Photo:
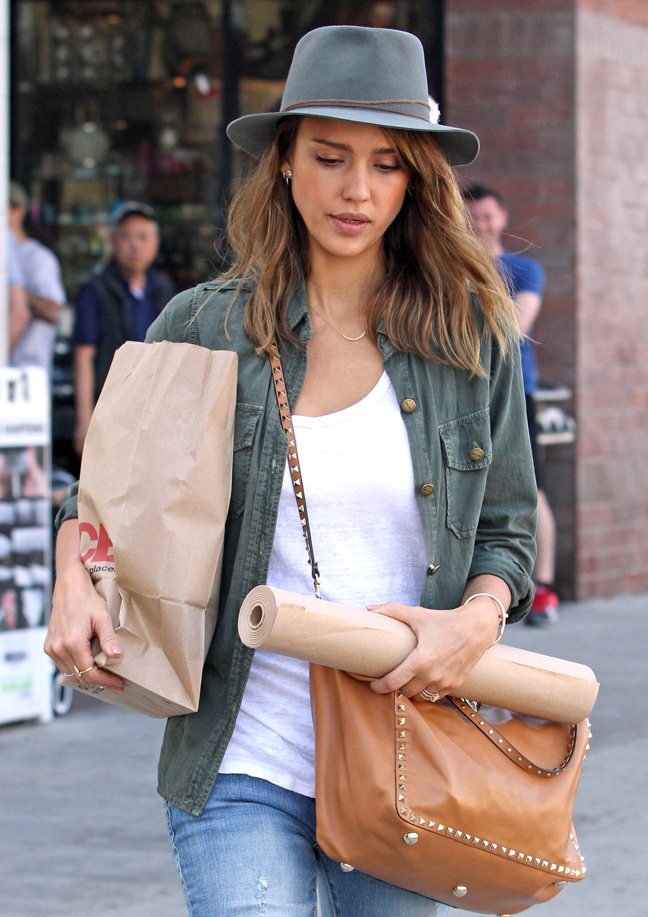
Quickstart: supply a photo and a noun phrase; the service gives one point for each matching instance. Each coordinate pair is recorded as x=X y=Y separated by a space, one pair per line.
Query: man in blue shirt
x=117 y=305
x=525 y=280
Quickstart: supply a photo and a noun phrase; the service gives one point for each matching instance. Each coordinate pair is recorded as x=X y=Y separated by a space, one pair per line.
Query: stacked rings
x=79 y=672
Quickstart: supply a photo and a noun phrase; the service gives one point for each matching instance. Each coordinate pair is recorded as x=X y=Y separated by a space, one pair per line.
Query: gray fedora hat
x=374 y=76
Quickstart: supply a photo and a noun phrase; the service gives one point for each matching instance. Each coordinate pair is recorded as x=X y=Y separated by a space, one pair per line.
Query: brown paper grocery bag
x=153 y=499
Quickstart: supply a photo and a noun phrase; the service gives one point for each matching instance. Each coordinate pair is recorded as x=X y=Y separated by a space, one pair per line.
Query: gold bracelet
x=500 y=605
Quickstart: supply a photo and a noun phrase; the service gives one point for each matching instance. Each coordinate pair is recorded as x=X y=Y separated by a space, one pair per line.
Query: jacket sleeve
x=505 y=540
x=172 y=324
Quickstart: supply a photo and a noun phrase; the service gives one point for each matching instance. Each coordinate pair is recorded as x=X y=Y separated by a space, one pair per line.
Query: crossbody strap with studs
x=293 y=459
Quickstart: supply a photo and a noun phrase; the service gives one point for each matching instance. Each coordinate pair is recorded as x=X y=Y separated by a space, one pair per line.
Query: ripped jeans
x=253 y=851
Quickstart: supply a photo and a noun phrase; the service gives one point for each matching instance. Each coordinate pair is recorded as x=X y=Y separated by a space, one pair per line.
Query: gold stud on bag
x=432 y=797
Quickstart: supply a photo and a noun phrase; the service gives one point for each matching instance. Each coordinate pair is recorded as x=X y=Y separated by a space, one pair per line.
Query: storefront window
x=128 y=99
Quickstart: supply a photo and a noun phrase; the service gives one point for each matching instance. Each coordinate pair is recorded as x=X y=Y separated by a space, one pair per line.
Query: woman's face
x=347 y=185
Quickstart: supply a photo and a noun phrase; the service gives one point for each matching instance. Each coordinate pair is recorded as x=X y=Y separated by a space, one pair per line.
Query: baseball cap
x=130 y=208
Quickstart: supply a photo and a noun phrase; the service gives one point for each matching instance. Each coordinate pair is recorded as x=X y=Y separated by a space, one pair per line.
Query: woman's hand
x=450 y=642
x=78 y=614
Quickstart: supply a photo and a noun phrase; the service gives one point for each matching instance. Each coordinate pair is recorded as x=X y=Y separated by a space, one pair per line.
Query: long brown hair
x=432 y=255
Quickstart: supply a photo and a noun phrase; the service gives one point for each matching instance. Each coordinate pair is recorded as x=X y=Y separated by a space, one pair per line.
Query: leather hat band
x=378 y=105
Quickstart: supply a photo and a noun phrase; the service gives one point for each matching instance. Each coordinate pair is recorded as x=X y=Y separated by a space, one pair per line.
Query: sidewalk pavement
x=82 y=830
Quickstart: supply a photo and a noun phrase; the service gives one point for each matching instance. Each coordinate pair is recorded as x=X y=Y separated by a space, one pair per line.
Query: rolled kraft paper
x=365 y=643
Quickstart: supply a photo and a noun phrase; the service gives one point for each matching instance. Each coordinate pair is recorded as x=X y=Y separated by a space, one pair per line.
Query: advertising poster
x=25 y=538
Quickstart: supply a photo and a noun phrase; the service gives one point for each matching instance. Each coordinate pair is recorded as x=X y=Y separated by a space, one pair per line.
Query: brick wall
x=612 y=281
x=556 y=90
x=629 y=10
x=510 y=72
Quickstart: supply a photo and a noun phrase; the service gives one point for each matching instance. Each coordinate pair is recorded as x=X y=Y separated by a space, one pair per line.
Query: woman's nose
x=357 y=184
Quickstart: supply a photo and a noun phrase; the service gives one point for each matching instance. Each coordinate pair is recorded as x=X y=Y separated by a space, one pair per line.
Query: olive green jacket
x=475 y=490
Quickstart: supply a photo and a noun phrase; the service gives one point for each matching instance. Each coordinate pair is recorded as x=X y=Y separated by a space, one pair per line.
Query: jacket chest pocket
x=467 y=451
x=246 y=421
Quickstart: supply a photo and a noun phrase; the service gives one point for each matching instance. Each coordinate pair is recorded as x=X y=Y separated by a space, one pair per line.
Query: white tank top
x=369 y=543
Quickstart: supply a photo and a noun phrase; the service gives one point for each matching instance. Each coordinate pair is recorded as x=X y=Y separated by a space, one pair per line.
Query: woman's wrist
x=68 y=553
x=498 y=604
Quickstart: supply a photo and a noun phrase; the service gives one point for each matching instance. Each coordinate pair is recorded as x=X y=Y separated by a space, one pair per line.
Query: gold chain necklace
x=345 y=336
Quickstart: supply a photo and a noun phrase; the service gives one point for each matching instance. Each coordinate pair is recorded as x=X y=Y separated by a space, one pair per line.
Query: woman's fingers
x=404 y=613
x=416 y=670
x=68 y=643
x=107 y=637
x=402 y=675
x=438 y=662
x=101 y=678
x=449 y=643
x=90 y=675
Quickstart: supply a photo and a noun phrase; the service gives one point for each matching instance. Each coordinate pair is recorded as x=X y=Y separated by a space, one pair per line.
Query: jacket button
x=432 y=569
x=427 y=489
x=408 y=405
x=476 y=454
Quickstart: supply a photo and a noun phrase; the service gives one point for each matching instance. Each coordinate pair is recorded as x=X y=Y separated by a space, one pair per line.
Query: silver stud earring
x=287 y=175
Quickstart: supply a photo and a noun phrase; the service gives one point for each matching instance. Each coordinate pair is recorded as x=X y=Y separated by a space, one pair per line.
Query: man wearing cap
x=117 y=305
x=41 y=273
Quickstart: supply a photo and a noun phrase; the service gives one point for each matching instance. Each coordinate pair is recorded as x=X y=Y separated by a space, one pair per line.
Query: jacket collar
x=298 y=312
x=384 y=344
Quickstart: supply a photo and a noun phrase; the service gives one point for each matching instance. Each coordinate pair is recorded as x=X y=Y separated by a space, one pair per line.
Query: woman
x=353 y=249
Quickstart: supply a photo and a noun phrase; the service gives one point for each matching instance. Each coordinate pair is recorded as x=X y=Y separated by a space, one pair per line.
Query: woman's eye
x=328 y=162
x=388 y=167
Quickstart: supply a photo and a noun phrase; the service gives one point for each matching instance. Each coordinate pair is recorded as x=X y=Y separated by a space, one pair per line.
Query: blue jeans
x=253 y=851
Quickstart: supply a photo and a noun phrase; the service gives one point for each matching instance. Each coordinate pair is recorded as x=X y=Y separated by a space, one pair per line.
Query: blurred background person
x=19 y=314
x=41 y=273
x=9 y=610
x=525 y=279
x=117 y=305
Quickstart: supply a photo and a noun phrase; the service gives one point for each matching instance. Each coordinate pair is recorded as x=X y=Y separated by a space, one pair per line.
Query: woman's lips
x=350 y=223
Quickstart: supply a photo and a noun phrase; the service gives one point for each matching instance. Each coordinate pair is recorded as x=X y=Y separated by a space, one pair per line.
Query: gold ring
x=432 y=696
x=83 y=672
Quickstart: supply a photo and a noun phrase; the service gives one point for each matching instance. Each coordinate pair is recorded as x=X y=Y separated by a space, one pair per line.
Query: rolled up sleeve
x=505 y=541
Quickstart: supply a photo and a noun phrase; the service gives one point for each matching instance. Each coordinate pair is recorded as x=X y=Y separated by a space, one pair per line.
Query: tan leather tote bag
x=435 y=799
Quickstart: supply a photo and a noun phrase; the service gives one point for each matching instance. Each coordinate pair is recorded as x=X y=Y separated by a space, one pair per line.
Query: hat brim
x=253 y=133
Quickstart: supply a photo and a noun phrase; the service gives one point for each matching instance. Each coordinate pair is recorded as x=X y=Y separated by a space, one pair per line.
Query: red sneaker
x=544 y=610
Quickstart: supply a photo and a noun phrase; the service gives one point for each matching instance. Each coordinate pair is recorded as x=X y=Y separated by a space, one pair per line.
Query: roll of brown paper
x=366 y=643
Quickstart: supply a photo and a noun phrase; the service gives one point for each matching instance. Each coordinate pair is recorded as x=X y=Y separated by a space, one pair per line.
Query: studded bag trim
x=500 y=742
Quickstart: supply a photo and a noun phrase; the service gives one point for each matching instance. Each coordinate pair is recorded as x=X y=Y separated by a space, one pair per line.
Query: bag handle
x=511 y=752
x=293 y=459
